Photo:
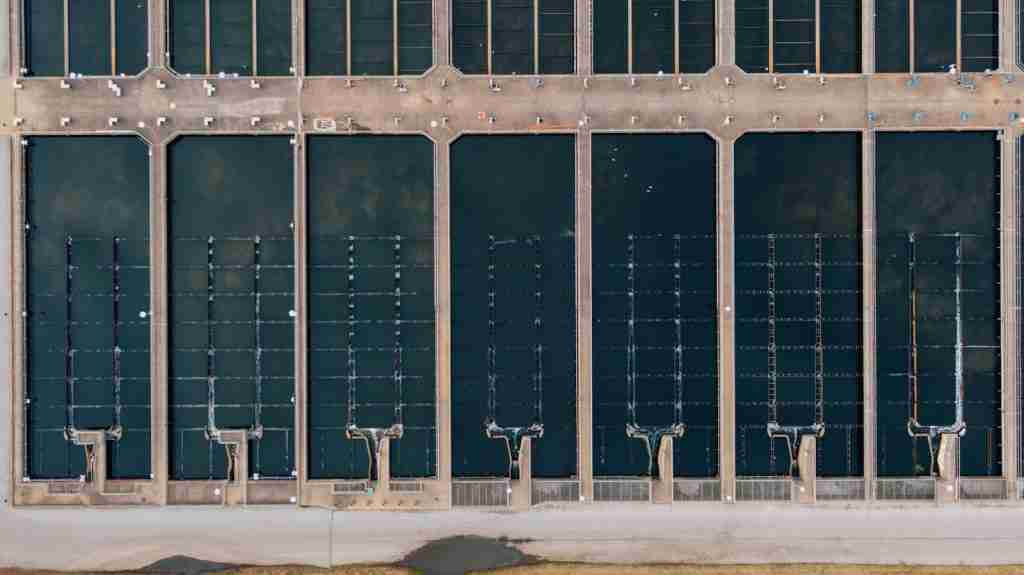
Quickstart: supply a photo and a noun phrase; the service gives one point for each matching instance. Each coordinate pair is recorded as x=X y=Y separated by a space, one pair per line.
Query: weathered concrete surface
x=6 y=419
x=131 y=538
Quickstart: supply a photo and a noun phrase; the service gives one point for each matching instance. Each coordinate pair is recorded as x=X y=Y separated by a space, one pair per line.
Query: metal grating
x=764 y=490
x=622 y=490
x=982 y=488
x=910 y=488
x=480 y=493
x=407 y=486
x=840 y=489
x=350 y=487
x=696 y=490
x=545 y=491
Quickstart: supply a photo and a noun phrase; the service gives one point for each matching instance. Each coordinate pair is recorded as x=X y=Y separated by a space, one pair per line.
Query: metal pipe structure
x=793 y=434
x=513 y=436
x=932 y=433
x=651 y=436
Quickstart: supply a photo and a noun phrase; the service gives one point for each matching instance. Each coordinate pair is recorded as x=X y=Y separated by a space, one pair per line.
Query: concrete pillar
x=805 y=487
x=726 y=33
x=383 y=467
x=236 y=441
x=159 y=28
x=662 y=486
x=6 y=381
x=584 y=38
x=948 y=461
x=726 y=322
x=442 y=311
x=301 y=316
x=1009 y=272
x=94 y=444
x=867 y=36
x=442 y=32
x=522 y=489
x=158 y=319
x=869 y=376
x=584 y=314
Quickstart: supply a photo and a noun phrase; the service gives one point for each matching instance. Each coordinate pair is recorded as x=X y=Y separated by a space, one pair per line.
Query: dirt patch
x=185 y=565
x=464 y=554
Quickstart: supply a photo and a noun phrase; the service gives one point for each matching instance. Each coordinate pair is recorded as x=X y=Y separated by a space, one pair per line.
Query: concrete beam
x=1010 y=282
x=1008 y=31
x=726 y=322
x=442 y=32
x=867 y=36
x=584 y=315
x=6 y=276
x=442 y=313
x=17 y=317
x=159 y=26
x=301 y=315
x=725 y=102
x=158 y=319
x=725 y=38
x=869 y=376
x=584 y=37
x=299 y=37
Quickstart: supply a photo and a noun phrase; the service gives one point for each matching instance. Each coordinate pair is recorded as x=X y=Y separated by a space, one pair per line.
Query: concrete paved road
x=129 y=538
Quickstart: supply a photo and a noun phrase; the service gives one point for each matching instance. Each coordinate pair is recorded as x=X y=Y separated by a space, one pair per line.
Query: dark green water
x=231 y=37
x=781 y=202
x=87 y=271
x=653 y=30
x=656 y=194
x=794 y=36
x=512 y=36
x=372 y=37
x=371 y=301
x=230 y=208
x=514 y=360
x=935 y=35
x=89 y=42
x=936 y=184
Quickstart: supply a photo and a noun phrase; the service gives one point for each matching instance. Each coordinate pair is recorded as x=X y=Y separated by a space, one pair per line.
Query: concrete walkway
x=717 y=533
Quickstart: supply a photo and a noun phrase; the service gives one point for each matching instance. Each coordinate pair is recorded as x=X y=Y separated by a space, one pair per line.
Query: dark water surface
x=794 y=36
x=653 y=31
x=654 y=206
x=935 y=35
x=937 y=185
x=798 y=195
x=87 y=268
x=91 y=39
x=231 y=300
x=231 y=37
x=513 y=300
x=371 y=301
x=512 y=36
x=373 y=32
